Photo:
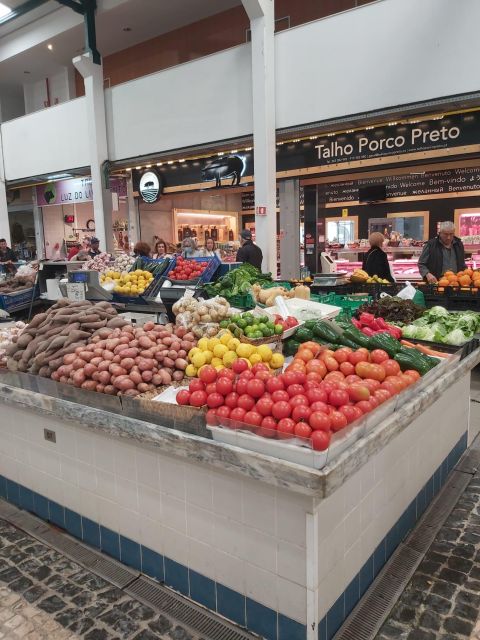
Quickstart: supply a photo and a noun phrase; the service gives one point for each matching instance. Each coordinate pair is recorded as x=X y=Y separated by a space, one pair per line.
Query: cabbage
x=437 y=312
x=425 y=333
x=410 y=331
x=455 y=337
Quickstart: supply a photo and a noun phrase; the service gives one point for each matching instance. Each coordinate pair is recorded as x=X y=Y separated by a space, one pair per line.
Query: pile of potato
x=50 y=336
x=128 y=361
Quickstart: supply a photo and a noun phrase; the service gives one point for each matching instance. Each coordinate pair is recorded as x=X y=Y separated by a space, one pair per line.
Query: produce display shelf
x=21 y=299
x=207 y=275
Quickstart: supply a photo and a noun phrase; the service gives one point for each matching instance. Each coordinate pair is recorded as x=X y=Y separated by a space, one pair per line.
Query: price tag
x=76 y=291
x=344 y=213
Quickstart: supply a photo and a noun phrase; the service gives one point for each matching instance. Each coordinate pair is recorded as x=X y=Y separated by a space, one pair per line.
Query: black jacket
x=250 y=253
x=7 y=255
x=375 y=263
x=431 y=260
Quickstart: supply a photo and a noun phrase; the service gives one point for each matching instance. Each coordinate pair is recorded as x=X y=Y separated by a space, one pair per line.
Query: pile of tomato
x=187 y=269
x=320 y=393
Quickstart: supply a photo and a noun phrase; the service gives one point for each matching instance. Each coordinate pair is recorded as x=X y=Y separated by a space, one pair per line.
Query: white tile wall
x=260 y=585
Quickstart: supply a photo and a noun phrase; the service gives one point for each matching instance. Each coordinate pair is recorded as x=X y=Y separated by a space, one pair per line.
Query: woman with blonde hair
x=375 y=261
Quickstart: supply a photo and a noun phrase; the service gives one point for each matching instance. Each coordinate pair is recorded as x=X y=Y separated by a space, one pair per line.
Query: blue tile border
x=213 y=595
x=345 y=603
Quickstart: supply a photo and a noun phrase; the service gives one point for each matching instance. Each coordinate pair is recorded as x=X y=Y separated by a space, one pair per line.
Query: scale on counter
x=329 y=277
x=91 y=282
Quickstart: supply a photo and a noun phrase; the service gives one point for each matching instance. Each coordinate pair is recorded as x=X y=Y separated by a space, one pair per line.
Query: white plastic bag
x=407 y=293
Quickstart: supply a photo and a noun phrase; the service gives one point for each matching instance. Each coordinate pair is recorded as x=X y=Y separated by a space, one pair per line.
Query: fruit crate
x=245 y=301
x=452 y=298
x=14 y=301
x=213 y=264
x=277 y=283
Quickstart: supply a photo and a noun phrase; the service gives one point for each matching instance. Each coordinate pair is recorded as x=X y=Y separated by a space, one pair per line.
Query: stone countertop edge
x=228 y=458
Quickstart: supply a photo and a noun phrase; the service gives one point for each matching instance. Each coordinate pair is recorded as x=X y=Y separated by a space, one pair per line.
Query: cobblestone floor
x=442 y=601
x=45 y=596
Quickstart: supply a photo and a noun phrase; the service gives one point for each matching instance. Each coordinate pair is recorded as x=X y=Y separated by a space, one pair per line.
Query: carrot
x=407 y=344
x=430 y=352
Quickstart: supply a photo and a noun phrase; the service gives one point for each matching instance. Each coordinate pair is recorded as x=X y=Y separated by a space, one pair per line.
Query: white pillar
x=289 y=191
x=38 y=224
x=262 y=24
x=4 y=222
x=133 y=215
x=97 y=132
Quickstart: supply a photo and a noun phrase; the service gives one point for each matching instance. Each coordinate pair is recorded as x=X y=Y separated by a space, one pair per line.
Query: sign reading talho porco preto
x=150 y=186
x=397 y=139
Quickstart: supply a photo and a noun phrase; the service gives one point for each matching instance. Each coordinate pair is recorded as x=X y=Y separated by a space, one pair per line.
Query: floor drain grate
x=367 y=618
x=186 y=612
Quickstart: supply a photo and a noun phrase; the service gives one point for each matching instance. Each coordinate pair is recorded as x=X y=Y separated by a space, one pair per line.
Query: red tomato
x=299 y=400
x=377 y=356
x=358 y=392
x=214 y=400
x=241 y=386
x=316 y=366
x=285 y=428
x=374 y=402
x=311 y=384
x=295 y=390
x=281 y=410
x=349 y=412
x=341 y=355
x=335 y=376
x=226 y=373
x=397 y=381
x=390 y=387
x=260 y=366
x=319 y=421
x=301 y=413
x=331 y=364
x=256 y=388
x=413 y=374
x=211 y=417
x=264 y=406
x=289 y=378
x=224 y=386
x=279 y=395
x=347 y=368
x=263 y=375
x=407 y=379
x=372 y=385
x=196 y=385
x=207 y=374
x=300 y=377
x=247 y=375
x=268 y=428
x=391 y=367
x=377 y=372
x=358 y=412
x=198 y=398
x=313 y=377
x=364 y=406
x=316 y=395
x=231 y=400
x=352 y=379
x=223 y=412
x=183 y=397
x=253 y=418
x=338 y=397
x=246 y=402
x=275 y=383
x=239 y=366
x=319 y=406
x=320 y=440
x=237 y=414
x=338 y=420
x=382 y=395
x=357 y=356
x=211 y=387
x=328 y=386
x=302 y=430
x=362 y=369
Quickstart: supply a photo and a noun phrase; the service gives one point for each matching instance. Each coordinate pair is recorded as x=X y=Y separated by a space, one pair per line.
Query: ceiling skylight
x=4 y=10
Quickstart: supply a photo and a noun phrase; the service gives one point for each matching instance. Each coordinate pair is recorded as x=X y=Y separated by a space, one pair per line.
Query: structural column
x=4 y=223
x=97 y=132
x=289 y=191
x=133 y=215
x=262 y=24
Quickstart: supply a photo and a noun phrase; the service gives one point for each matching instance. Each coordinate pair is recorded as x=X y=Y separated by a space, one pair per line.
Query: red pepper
x=393 y=333
x=368 y=332
x=381 y=324
x=356 y=323
x=367 y=318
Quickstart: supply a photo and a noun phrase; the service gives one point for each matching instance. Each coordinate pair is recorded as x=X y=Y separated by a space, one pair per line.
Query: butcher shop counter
x=282 y=549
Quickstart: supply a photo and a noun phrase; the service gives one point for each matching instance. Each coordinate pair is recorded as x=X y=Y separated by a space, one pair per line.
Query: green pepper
x=386 y=342
x=290 y=347
x=324 y=330
x=356 y=336
x=303 y=334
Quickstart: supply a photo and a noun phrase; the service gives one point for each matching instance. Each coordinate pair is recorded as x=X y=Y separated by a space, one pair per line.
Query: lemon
x=219 y=367
x=233 y=343
x=193 y=351
x=212 y=343
x=134 y=288
x=117 y=289
x=217 y=362
x=141 y=290
x=219 y=350
x=190 y=371
x=225 y=339
x=208 y=355
x=202 y=344
x=265 y=352
x=247 y=361
x=245 y=350
x=277 y=360
x=198 y=360
x=255 y=358
x=229 y=358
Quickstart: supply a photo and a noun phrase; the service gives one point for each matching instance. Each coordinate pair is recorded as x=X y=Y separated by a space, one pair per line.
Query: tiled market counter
x=282 y=549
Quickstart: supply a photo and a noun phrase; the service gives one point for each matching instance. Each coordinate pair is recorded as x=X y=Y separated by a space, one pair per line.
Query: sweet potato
x=98 y=324
x=37 y=320
x=102 y=333
x=117 y=322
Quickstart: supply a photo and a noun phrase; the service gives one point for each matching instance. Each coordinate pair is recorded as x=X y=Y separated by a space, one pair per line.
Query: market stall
x=264 y=463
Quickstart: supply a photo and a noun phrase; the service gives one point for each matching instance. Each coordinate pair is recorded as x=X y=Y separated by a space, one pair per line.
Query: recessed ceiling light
x=50 y=47
x=4 y=10
x=127 y=29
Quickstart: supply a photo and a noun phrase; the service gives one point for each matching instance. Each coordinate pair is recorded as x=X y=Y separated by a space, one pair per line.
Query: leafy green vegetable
x=237 y=281
x=455 y=337
x=393 y=309
x=438 y=325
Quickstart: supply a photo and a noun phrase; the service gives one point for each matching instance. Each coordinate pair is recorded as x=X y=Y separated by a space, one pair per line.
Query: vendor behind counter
x=375 y=261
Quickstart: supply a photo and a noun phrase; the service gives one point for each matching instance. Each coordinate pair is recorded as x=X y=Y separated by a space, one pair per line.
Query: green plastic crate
x=269 y=285
x=245 y=301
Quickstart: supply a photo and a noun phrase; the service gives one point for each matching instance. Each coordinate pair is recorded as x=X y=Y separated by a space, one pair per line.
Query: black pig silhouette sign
x=49 y=195
x=225 y=167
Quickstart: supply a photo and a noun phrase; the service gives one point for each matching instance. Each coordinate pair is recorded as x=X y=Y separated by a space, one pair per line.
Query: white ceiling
x=146 y=19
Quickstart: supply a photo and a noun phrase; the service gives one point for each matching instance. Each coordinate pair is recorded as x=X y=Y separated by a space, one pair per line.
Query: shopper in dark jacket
x=249 y=252
x=7 y=257
x=375 y=261
x=443 y=253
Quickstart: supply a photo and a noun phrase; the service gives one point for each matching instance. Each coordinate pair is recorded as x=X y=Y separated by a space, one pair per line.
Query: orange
x=443 y=282
x=448 y=273
x=469 y=272
x=465 y=280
